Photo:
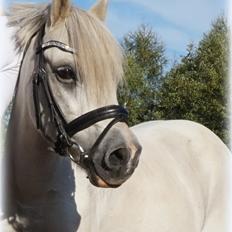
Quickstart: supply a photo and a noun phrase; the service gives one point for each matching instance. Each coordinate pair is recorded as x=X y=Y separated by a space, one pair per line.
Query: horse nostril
x=117 y=158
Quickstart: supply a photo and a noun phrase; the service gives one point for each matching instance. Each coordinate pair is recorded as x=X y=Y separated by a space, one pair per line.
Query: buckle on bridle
x=61 y=144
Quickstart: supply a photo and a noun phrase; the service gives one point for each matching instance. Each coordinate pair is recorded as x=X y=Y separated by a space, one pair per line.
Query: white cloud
x=193 y=15
x=121 y=24
x=173 y=38
x=183 y=21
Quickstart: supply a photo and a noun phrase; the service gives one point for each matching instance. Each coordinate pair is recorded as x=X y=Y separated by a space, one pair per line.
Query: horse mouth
x=98 y=181
x=110 y=170
x=105 y=179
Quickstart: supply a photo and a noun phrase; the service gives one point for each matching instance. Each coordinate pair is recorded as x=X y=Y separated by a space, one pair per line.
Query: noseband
x=63 y=142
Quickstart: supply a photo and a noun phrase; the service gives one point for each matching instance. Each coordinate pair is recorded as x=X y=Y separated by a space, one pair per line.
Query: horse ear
x=59 y=10
x=100 y=9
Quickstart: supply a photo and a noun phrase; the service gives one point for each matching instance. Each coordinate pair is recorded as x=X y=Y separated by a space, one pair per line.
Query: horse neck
x=22 y=131
x=38 y=171
x=40 y=179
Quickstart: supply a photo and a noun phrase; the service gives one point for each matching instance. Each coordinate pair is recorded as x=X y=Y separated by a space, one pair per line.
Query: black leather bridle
x=63 y=142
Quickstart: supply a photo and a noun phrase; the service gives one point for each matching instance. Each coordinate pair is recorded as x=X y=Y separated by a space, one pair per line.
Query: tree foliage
x=145 y=61
x=194 y=89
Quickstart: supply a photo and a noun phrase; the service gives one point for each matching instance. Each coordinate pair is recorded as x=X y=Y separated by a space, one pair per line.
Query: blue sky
x=177 y=22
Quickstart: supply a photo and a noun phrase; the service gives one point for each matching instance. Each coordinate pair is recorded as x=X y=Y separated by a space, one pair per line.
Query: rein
x=63 y=142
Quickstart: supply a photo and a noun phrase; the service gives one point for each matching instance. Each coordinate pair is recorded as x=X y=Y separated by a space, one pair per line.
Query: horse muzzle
x=111 y=167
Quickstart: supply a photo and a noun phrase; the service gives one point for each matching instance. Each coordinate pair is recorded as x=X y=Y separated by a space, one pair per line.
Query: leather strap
x=92 y=117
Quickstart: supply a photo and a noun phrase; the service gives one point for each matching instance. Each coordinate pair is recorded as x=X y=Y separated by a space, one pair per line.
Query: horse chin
x=97 y=181
x=100 y=183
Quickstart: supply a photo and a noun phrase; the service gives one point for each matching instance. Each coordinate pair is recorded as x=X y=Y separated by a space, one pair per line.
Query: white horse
x=71 y=66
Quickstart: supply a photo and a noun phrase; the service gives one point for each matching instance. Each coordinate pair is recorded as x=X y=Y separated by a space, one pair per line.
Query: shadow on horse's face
x=82 y=76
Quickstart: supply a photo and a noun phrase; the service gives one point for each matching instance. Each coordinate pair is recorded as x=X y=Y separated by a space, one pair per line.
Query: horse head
x=77 y=66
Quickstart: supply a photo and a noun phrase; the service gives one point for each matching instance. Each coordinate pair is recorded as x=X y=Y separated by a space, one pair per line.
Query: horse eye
x=65 y=74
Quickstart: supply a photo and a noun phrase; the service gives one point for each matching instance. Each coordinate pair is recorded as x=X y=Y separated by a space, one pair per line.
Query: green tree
x=145 y=61
x=196 y=89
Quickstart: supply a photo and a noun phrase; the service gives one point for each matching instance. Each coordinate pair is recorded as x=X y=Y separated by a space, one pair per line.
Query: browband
x=56 y=44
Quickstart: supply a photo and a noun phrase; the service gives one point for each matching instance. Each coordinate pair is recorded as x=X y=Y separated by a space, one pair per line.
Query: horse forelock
x=99 y=57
